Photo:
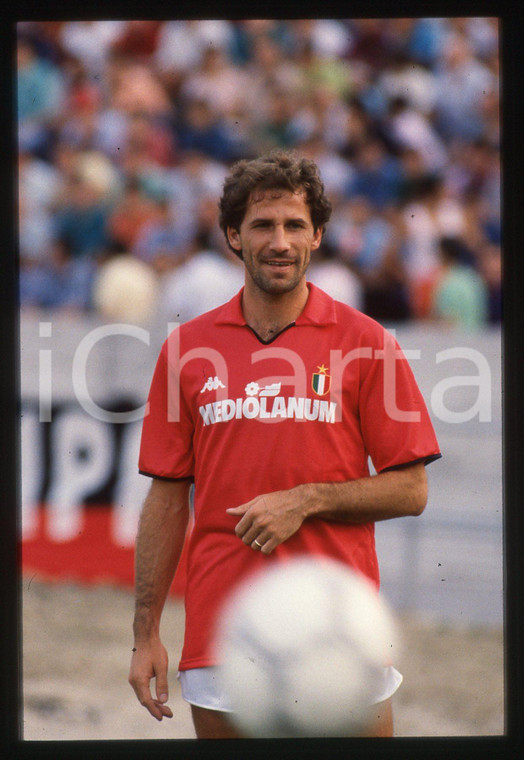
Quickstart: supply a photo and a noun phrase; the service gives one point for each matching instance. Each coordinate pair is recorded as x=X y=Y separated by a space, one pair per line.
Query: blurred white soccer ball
x=303 y=647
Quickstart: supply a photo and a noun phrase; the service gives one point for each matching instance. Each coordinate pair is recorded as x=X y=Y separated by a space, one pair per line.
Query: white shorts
x=200 y=687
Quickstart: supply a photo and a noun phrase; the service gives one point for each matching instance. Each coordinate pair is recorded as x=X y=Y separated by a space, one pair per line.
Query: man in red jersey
x=272 y=405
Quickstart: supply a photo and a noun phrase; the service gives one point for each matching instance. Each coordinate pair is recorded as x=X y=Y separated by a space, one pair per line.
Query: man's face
x=276 y=238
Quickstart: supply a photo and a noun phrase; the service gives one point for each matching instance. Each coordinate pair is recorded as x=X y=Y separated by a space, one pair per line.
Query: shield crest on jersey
x=321 y=383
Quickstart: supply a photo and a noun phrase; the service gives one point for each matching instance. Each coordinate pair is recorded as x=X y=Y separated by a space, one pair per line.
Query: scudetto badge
x=321 y=381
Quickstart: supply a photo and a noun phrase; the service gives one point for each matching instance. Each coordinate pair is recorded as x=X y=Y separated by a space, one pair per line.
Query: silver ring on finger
x=258 y=543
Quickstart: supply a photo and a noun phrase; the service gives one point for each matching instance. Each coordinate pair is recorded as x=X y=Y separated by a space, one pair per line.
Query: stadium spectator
x=135 y=86
x=57 y=281
x=137 y=39
x=160 y=242
x=490 y=266
x=238 y=130
x=267 y=69
x=215 y=82
x=279 y=128
x=81 y=218
x=377 y=174
x=90 y=42
x=368 y=46
x=327 y=39
x=194 y=178
x=463 y=82
x=335 y=277
x=323 y=113
x=136 y=164
x=360 y=234
x=247 y=31
x=396 y=35
x=41 y=91
x=39 y=182
x=79 y=123
x=181 y=45
x=386 y=284
x=425 y=40
x=200 y=128
x=408 y=80
x=431 y=214
x=35 y=240
x=206 y=228
x=130 y=214
x=151 y=137
x=358 y=127
x=100 y=174
x=372 y=245
x=408 y=128
x=414 y=174
x=321 y=71
x=207 y=278
x=460 y=298
x=336 y=173
x=482 y=34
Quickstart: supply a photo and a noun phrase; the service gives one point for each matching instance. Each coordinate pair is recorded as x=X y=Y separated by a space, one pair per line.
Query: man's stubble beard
x=274 y=286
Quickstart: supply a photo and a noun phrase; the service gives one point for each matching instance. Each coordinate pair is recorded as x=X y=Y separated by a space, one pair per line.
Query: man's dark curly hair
x=278 y=170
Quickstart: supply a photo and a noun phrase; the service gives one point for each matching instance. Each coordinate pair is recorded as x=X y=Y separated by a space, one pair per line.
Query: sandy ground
x=77 y=646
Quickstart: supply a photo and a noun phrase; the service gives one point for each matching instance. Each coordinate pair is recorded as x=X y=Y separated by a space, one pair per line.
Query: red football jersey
x=242 y=417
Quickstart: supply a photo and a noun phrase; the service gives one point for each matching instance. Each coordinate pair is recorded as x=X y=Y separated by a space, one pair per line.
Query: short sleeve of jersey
x=166 y=449
x=395 y=423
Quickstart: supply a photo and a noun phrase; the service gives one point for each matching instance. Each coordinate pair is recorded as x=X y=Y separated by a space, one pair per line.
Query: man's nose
x=279 y=241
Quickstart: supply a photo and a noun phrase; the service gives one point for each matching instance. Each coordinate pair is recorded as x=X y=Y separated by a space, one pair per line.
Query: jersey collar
x=319 y=310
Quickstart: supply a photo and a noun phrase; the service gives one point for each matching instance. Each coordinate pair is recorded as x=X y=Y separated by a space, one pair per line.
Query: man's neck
x=268 y=314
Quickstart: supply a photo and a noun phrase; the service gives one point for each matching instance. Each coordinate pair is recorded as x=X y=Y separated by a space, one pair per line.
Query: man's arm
x=273 y=518
x=159 y=543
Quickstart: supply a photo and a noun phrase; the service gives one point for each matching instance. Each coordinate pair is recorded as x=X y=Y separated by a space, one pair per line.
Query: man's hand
x=270 y=519
x=150 y=661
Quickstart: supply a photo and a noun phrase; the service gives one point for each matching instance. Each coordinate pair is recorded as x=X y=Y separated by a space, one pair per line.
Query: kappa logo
x=212 y=384
x=321 y=381
x=254 y=389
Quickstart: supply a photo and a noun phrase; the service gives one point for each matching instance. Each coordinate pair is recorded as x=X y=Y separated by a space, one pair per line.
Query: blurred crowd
x=126 y=130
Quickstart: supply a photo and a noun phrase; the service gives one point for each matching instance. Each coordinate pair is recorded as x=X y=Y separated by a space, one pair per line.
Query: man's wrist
x=145 y=627
x=312 y=498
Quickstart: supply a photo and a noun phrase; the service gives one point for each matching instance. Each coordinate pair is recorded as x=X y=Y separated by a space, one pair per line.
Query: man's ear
x=317 y=238
x=234 y=239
